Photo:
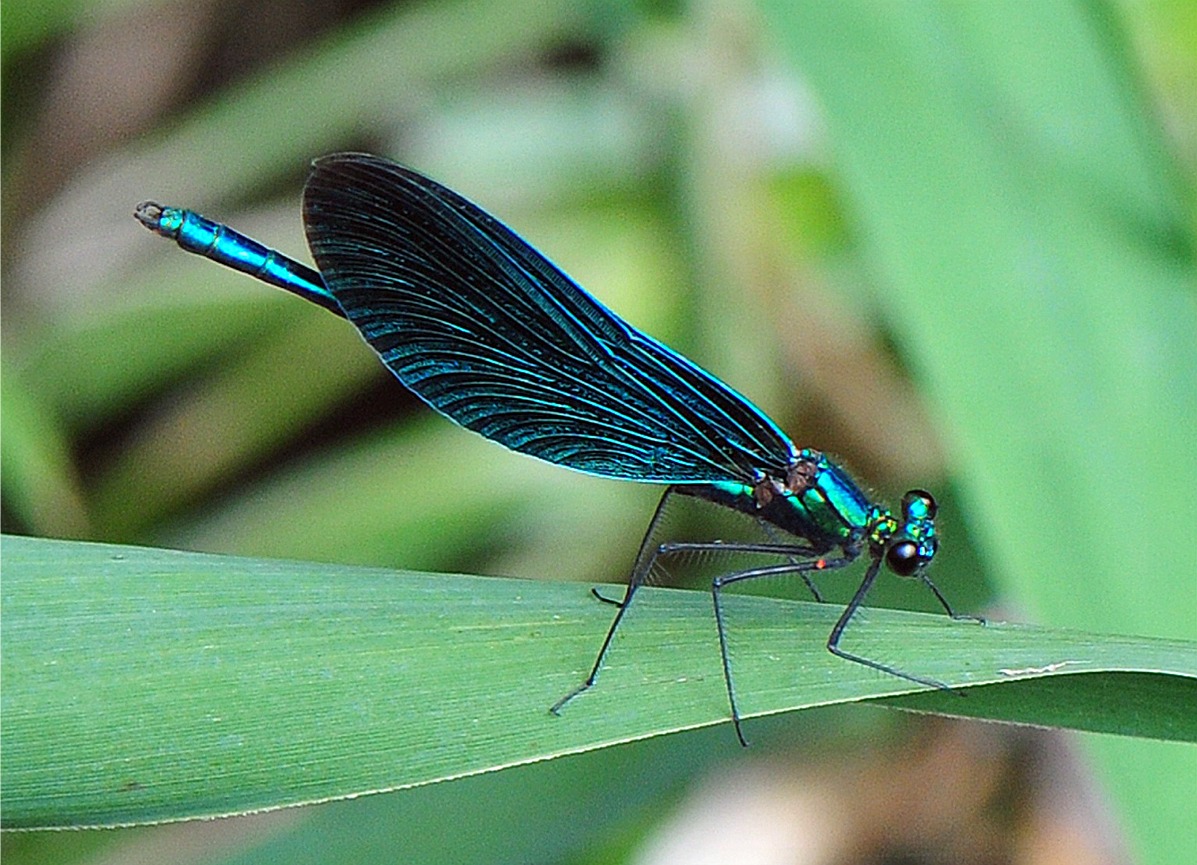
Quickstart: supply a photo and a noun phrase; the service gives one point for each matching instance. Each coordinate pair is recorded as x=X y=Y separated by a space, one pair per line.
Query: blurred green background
x=950 y=243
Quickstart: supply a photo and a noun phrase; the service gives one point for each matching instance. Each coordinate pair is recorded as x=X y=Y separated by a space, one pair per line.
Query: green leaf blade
x=147 y=685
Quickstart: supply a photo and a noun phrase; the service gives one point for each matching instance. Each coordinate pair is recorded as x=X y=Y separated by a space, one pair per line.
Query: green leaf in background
x=39 y=478
x=145 y=685
x=1036 y=263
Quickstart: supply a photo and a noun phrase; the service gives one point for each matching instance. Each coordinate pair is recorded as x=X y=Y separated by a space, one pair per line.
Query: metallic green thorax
x=819 y=502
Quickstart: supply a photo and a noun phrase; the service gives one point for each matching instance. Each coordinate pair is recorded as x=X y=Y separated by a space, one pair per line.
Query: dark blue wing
x=490 y=333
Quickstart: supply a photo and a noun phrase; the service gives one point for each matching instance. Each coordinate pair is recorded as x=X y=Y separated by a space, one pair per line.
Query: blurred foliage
x=950 y=243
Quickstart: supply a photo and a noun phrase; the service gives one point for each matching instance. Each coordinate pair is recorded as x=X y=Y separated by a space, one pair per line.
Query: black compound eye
x=903 y=558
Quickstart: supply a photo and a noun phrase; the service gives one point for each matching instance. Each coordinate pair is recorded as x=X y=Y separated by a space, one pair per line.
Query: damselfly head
x=912 y=547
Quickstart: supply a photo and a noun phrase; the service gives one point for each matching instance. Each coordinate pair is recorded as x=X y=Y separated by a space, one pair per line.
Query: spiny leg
x=810 y=584
x=796 y=553
x=943 y=602
x=833 y=641
x=802 y=560
x=720 y=583
x=645 y=558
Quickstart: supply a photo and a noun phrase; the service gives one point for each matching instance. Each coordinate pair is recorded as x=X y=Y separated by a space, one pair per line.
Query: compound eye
x=903 y=558
x=929 y=507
